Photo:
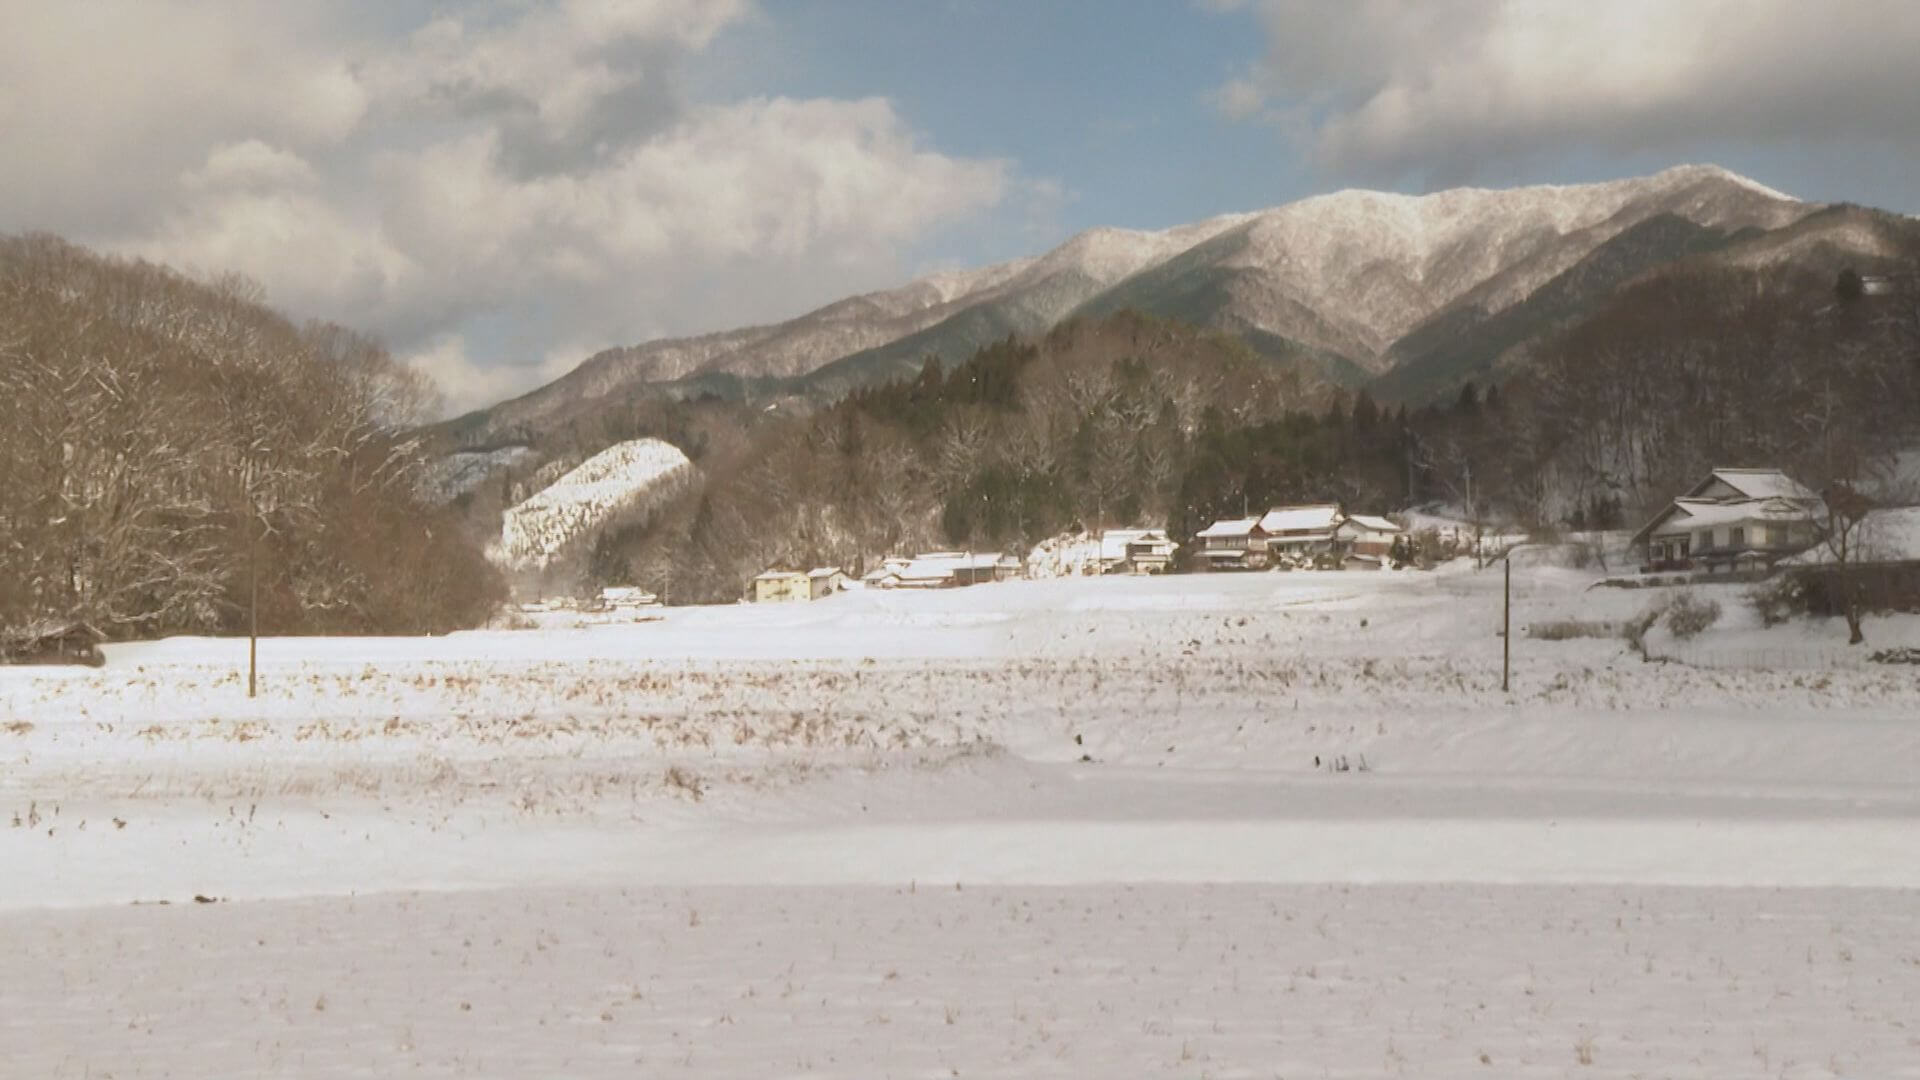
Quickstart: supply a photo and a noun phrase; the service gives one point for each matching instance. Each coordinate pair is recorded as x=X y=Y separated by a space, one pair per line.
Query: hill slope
x=616 y=480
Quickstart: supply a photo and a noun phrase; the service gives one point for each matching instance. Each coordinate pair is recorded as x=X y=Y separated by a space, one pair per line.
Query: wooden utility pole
x=253 y=616
x=1473 y=516
x=1506 y=625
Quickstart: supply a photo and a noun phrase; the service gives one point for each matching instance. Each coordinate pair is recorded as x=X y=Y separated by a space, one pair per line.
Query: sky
x=500 y=188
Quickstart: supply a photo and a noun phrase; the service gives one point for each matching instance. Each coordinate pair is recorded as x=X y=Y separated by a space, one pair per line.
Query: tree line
x=171 y=449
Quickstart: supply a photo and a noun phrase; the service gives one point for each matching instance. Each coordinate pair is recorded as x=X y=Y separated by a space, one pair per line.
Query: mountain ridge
x=1331 y=283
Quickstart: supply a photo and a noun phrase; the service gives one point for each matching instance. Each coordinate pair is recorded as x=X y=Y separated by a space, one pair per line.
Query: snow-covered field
x=1230 y=825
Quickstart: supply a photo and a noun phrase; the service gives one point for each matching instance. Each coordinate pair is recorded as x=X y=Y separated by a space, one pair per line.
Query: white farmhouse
x=1136 y=551
x=1233 y=544
x=1301 y=532
x=1734 y=519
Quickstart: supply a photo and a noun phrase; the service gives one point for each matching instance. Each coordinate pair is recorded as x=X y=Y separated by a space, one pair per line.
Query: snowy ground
x=1069 y=828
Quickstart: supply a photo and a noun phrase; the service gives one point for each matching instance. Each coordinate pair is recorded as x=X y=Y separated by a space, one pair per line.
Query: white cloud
x=103 y=103
x=313 y=257
x=488 y=182
x=1382 y=88
x=250 y=163
x=1240 y=98
x=466 y=384
x=735 y=214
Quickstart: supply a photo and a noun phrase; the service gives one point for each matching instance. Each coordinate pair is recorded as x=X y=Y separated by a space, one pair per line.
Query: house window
x=1706 y=539
x=1739 y=537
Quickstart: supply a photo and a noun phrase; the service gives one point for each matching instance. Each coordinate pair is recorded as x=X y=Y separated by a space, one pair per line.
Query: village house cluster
x=1737 y=521
x=1320 y=536
x=934 y=570
x=613 y=603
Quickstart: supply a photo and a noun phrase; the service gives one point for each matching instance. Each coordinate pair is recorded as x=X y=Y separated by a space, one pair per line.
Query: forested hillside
x=1130 y=419
x=162 y=440
x=1093 y=422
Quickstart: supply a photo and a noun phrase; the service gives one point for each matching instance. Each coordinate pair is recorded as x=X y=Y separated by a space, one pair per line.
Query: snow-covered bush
x=1688 y=615
x=1777 y=601
x=1635 y=629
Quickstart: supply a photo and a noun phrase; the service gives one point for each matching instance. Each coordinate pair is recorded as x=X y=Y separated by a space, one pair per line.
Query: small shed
x=887 y=574
x=825 y=581
x=52 y=642
x=626 y=597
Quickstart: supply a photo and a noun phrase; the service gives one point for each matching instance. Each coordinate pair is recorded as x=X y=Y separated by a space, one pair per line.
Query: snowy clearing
x=1229 y=825
x=1120 y=981
x=623 y=477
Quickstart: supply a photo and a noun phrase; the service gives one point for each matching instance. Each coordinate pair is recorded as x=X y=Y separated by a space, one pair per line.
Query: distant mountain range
x=1406 y=295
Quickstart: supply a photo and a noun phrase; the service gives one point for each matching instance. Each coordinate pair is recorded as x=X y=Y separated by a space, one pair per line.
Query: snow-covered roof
x=977 y=560
x=1230 y=527
x=944 y=564
x=779 y=575
x=1114 y=542
x=1758 y=484
x=823 y=572
x=1320 y=516
x=1080 y=553
x=1368 y=521
x=1687 y=514
x=46 y=629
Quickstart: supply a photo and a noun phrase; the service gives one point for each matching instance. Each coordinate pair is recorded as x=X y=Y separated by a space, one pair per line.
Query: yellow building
x=782 y=586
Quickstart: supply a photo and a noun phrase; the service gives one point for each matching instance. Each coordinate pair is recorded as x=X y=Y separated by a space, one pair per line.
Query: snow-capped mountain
x=1336 y=279
x=623 y=478
x=1381 y=264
